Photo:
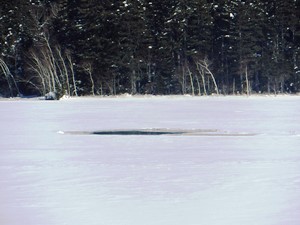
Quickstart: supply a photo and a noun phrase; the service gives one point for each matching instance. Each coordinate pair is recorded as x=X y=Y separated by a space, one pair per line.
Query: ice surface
x=51 y=177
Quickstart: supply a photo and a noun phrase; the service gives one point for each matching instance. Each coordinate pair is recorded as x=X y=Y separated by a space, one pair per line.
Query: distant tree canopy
x=108 y=47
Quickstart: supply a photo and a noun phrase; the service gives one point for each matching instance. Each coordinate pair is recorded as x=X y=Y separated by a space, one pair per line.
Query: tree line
x=106 y=47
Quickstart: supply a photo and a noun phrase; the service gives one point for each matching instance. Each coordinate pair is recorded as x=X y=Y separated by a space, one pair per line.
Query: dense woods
x=108 y=47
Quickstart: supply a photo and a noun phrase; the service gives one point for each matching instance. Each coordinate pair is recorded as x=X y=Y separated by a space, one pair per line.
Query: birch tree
x=9 y=78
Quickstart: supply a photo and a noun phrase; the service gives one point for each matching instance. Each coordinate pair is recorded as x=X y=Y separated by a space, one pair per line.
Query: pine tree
x=131 y=60
x=227 y=48
x=160 y=46
x=279 y=61
x=15 y=39
x=250 y=41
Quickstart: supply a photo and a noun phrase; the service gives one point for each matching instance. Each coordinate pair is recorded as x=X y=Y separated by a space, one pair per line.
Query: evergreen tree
x=250 y=40
x=226 y=36
x=160 y=58
x=15 y=39
x=131 y=60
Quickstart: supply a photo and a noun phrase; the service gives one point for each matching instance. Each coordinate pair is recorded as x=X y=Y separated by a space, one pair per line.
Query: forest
x=159 y=47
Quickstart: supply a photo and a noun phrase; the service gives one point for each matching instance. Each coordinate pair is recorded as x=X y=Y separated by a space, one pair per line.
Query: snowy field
x=243 y=170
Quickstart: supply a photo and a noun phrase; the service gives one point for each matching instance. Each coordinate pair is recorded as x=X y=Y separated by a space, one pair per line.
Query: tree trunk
x=198 y=84
x=72 y=72
x=233 y=86
x=191 y=80
x=247 y=81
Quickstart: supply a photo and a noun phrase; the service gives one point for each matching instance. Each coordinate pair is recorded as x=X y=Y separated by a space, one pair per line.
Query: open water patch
x=137 y=132
x=157 y=132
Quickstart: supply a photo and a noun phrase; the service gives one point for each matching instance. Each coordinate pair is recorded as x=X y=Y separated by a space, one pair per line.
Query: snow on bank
x=149 y=96
x=51 y=178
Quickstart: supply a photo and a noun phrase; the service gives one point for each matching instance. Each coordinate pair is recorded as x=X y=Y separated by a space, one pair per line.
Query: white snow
x=50 y=177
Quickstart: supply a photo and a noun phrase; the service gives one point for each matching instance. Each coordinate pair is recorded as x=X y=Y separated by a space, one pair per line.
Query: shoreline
x=129 y=96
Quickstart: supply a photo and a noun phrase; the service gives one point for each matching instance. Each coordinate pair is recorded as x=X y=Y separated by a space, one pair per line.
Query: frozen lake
x=244 y=170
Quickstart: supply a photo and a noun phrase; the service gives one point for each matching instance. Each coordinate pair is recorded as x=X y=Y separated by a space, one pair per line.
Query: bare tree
x=54 y=68
x=52 y=65
x=247 y=81
x=244 y=71
x=203 y=69
x=198 y=84
x=202 y=74
x=43 y=61
x=9 y=77
x=191 y=80
x=63 y=70
x=88 y=69
x=37 y=68
x=71 y=65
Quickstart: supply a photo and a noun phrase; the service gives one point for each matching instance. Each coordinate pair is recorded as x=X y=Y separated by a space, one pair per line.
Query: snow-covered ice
x=51 y=176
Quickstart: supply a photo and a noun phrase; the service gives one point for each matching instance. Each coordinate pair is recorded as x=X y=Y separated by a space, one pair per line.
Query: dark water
x=136 y=132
